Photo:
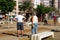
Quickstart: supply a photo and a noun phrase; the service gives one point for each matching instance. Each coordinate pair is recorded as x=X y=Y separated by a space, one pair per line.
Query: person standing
x=34 y=23
x=46 y=19
x=54 y=19
x=19 y=19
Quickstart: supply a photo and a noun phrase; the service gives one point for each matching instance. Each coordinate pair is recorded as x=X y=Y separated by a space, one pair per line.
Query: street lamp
x=16 y=7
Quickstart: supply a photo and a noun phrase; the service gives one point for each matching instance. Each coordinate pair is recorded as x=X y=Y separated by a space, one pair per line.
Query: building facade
x=59 y=4
x=56 y=3
x=53 y=3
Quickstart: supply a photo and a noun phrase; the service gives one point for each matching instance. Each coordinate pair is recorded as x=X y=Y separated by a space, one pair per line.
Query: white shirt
x=35 y=19
x=1 y=16
x=20 y=18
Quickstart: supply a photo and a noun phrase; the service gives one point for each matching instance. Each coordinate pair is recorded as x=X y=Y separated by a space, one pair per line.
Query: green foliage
x=41 y=9
x=26 y=5
x=47 y=9
x=7 y=5
x=53 y=9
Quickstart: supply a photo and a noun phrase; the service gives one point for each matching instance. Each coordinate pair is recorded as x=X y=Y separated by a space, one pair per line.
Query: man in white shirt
x=35 y=24
x=19 y=19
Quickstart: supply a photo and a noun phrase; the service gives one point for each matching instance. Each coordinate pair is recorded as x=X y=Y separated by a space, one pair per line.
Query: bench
x=42 y=35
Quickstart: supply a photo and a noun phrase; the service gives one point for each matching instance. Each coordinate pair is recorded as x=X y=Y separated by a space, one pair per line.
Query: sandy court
x=5 y=32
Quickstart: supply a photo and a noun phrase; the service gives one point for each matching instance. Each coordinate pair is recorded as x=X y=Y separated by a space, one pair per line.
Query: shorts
x=1 y=18
x=20 y=26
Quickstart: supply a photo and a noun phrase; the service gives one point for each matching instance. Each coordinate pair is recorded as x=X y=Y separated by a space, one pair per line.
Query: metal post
x=16 y=7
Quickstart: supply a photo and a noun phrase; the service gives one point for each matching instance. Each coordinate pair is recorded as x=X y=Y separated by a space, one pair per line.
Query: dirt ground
x=9 y=33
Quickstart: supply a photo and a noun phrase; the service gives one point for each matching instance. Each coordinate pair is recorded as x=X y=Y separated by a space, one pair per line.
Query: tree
x=53 y=9
x=7 y=5
x=41 y=10
x=47 y=9
x=26 y=5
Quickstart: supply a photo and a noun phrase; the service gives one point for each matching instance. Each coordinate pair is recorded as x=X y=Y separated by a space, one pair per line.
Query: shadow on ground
x=16 y=34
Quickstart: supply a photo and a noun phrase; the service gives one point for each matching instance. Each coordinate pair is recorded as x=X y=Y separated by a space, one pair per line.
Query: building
x=53 y=3
x=38 y=2
x=59 y=4
x=56 y=4
x=18 y=2
x=16 y=9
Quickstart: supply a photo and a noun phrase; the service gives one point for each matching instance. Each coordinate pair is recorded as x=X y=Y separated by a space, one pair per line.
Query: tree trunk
x=41 y=17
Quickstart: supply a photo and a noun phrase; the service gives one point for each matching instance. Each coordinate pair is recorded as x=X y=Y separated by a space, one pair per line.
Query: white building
x=37 y=2
x=45 y=2
x=56 y=4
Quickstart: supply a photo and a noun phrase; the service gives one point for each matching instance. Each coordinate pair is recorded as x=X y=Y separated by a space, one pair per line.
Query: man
x=19 y=19
x=34 y=23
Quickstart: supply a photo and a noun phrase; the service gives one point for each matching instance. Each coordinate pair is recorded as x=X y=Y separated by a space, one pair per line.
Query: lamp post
x=16 y=7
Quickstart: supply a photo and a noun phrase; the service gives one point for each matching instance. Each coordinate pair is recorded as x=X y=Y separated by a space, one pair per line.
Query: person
x=54 y=19
x=27 y=16
x=19 y=19
x=52 y=14
x=45 y=19
x=34 y=20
